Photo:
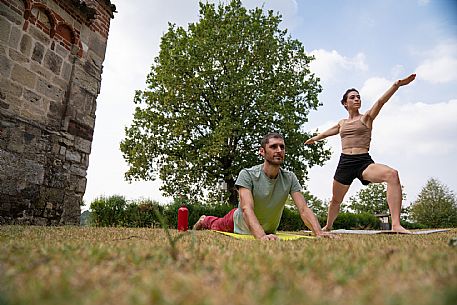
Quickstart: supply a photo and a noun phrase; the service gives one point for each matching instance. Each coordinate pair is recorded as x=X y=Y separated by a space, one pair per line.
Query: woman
x=355 y=161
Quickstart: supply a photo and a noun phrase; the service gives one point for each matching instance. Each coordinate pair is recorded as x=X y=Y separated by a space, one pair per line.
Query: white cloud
x=440 y=64
x=417 y=129
x=330 y=65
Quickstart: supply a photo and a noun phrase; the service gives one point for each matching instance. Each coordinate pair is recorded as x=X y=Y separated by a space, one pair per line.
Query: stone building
x=51 y=55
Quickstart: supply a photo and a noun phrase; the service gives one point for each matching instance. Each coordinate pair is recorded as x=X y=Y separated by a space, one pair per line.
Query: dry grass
x=72 y=265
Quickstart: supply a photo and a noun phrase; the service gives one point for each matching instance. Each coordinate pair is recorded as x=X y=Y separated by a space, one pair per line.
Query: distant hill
x=84 y=218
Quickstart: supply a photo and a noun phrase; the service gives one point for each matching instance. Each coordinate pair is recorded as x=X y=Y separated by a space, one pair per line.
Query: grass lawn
x=84 y=265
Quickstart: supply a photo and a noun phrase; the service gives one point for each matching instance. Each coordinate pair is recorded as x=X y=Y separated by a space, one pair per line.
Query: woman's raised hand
x=405 y=81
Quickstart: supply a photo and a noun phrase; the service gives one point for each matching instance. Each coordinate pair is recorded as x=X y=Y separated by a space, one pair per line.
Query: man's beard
x=274 y=161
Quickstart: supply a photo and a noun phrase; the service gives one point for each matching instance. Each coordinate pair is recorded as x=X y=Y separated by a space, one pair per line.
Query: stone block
x=15 y=37
x=72 y=156
x=39 y=35
x=81 y=186
x=34 y=172
x=38 y=69
x=33 y=112
x=10 y=14
x=23 y=76
x=59 y=82
x=53 y=62
x=86 y=81
x=97 y=44
x=55 y=110
x=9 y=89
x=26 y=45
x=50 y=197
x=18 y=57
x=66 y=71
x=38 y=52
x=5 y=66
x=5 y=29
x=71 y=209
x=49 y=90
x=31 y=96
x=83 y=145
x=78 y=170
x=62 y=52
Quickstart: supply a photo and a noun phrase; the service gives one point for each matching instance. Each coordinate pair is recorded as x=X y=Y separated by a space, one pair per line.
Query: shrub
x=108 y=211
x=356 y=221
x=142 y=214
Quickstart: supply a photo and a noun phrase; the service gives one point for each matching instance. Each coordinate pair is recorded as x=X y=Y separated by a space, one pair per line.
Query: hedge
x=116 y=211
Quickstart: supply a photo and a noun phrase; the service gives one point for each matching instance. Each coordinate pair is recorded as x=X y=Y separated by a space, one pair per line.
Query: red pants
x=224 y=224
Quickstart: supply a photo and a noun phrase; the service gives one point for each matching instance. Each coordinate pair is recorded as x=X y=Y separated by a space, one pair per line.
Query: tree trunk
x=233 y=198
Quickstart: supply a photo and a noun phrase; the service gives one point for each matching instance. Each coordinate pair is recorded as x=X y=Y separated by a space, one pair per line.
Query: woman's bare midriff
x=354 y=151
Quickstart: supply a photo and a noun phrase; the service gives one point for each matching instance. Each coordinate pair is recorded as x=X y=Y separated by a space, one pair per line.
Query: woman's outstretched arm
x=329 y=132
x=373 y=112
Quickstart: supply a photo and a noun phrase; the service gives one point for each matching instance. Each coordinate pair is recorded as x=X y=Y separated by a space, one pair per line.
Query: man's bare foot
x=199 y=224
x=400 y=229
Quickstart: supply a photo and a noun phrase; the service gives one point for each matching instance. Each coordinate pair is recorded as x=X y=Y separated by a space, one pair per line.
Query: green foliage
x=373 y=199
x=318 y=206
x=356 y=221
x=213 y=92
x=115 y=211
x=108 y=211
x=142 y=214
x=291 y=221
x=436 y=206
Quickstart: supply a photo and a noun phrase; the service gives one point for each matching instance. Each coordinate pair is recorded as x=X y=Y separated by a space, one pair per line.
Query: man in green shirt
x=263 y=191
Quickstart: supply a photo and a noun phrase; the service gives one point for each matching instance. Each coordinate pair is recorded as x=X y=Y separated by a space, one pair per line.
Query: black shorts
x=351 y=167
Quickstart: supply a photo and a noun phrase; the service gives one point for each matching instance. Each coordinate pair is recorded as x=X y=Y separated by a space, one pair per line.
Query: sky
x=356 y=44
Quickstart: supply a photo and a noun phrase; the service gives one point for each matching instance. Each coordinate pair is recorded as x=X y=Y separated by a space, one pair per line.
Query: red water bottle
x=183 y=218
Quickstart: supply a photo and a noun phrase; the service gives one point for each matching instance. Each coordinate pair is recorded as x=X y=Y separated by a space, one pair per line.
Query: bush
x=142 y=214
x=356 y=221
x=412 y=225
x=108 y=211
x=290 y=220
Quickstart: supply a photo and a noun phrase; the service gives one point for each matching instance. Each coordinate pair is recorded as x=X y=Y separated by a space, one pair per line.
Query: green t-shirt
x=269 y=195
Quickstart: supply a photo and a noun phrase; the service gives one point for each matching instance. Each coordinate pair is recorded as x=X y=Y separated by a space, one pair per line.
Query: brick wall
x=51 y=56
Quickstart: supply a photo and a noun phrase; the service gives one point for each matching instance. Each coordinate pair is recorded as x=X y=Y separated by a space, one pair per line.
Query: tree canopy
x=436 y=206
x=373 y=200
x=215 y=89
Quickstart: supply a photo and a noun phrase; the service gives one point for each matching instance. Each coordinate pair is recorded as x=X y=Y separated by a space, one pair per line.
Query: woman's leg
x=382 y=173
x=339 y=190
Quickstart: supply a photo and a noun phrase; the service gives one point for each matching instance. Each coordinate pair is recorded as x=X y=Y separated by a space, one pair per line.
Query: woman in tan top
x=355 y=162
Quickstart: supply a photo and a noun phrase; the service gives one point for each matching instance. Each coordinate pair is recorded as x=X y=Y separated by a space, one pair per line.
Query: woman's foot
x=400 y=229
x=325 y=229
x=199 y=224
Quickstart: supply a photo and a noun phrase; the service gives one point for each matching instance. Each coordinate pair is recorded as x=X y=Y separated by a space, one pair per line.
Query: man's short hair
x=271 y=135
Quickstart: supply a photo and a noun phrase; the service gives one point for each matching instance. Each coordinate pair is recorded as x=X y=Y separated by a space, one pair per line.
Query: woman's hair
x=345 y=95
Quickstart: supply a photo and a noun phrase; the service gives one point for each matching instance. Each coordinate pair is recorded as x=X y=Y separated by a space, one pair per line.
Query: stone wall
x=51 y=55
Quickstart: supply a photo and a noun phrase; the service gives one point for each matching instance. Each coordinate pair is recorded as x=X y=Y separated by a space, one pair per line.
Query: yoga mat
x=370 y=232
x=281 y=236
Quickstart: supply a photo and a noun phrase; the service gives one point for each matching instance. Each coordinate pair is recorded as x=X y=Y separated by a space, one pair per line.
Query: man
x=263 y=191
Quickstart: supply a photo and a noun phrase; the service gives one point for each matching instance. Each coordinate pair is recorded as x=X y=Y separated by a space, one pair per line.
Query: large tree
x=213 y=91
x=372 y=199
x=436 y=206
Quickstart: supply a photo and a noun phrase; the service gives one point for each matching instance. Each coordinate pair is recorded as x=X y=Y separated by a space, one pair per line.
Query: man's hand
x=269 y=237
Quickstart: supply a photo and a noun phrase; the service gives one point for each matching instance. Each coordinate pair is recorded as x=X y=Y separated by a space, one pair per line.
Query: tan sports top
x=355 y=134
